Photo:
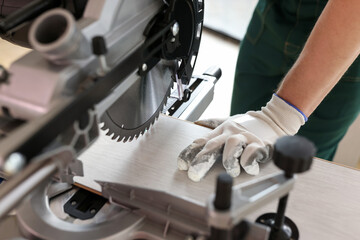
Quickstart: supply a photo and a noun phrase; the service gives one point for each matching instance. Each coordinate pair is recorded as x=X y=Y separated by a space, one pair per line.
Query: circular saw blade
x=138 y=108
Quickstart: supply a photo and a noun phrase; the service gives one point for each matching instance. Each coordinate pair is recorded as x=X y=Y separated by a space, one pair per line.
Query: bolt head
x=175 y=29
x=14 y=163
x=144 y=67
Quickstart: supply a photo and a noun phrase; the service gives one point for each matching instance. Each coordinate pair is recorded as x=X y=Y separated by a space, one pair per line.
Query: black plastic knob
x=293 y=154
x=223 y=192
x=99 y=46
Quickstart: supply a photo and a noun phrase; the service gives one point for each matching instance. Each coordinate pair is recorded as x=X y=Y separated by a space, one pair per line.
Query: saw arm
x=55 y=86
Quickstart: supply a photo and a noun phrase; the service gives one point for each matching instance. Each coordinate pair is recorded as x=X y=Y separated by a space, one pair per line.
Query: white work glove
x=244 y=139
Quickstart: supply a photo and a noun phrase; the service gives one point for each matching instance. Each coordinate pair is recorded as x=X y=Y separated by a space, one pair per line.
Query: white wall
x=230 y=17
x=348 y=152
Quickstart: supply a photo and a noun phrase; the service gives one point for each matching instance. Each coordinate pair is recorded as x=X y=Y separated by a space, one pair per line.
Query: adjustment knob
x=100 y=49
x=99 y=46
x=293 y=154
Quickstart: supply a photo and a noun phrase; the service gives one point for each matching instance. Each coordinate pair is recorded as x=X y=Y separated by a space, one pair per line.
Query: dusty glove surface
x=243 y=140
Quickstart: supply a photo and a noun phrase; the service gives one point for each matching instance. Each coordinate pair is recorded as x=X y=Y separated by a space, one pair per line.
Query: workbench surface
x=325 y=203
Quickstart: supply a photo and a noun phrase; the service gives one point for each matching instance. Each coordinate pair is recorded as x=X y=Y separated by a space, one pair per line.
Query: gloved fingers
x=202 y=164
x=269 y=148
x=252 y=154
x=187 y=155
x=211 y=135
x=233 y=149
x=211 y=123
x=200 y=146
x=213 y=145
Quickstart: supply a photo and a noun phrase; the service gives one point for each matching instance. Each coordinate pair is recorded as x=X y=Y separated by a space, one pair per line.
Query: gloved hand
x=244 y=139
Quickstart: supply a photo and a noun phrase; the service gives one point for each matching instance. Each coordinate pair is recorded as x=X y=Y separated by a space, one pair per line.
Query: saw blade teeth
x=103 y=126
x=125 y=139
x=105 y=130
x=114 y=137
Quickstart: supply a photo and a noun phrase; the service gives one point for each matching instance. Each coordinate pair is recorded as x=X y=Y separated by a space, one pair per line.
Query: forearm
x=331 y=48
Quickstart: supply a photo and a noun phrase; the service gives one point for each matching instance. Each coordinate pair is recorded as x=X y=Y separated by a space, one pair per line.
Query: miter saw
x=113 y=64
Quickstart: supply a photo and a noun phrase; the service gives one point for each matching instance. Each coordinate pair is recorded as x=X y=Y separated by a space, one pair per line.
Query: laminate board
x=151 y=161
x=324 y=202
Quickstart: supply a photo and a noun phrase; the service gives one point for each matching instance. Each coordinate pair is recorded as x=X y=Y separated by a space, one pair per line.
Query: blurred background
x=225 y=26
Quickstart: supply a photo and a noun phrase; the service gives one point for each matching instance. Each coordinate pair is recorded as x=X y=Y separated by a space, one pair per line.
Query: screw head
x=144 y=67
x=14 y=163
x=175 y=29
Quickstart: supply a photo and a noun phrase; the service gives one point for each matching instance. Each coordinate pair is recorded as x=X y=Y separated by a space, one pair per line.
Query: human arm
x=329 y=51
x=331 y=48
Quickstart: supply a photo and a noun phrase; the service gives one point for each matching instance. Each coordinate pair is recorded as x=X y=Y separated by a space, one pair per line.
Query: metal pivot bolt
x=14 y=163
x=100 y=50
x=175 y=29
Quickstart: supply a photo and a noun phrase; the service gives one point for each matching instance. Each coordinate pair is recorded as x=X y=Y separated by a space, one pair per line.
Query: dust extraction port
x=56 y=36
